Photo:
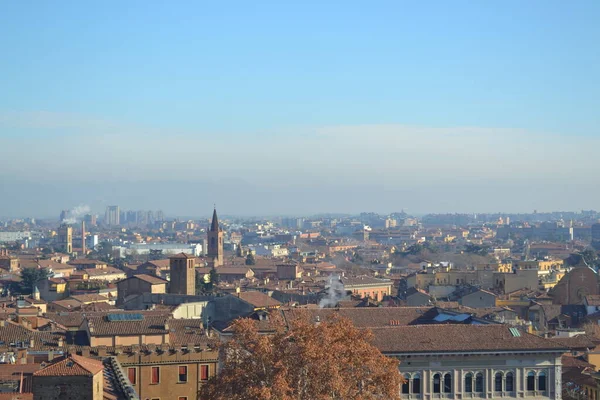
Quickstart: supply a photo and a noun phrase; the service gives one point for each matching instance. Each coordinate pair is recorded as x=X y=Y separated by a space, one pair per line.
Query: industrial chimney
x=83 y=239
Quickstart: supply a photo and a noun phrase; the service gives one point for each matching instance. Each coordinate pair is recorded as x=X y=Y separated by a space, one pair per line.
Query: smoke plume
x=76 y=214
x=335 y=292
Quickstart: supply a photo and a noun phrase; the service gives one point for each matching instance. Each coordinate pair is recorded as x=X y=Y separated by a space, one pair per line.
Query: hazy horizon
x=296 y=109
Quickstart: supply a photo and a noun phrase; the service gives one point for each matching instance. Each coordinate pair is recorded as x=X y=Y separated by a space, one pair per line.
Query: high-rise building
x=65 y=238
x=183 y=274
x=131 y=217
x=64 y=214
x=90 y=219
x=112 y=216
x=215 y=242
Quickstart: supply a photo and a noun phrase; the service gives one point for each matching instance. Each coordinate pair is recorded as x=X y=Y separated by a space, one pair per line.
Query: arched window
x=498 y=382
x=405 y=385
x=510 y=382
x=469 y=383
x=448 y=383
x=479 y=382
x=437 y=383
x=416 y=384
x=531 y=381
x=542 y=381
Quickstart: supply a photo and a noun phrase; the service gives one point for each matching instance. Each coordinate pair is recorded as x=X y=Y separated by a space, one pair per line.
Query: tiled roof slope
x=151 y=324
x=368 y=317
x=72 y=365
x=258 y=299
x=457 y=338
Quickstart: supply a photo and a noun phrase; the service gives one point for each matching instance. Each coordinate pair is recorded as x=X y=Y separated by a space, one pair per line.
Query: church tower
x=183 y=274
x=215 y=242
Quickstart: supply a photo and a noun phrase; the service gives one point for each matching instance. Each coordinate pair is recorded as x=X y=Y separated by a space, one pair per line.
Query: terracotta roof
x=90 y=297
x=364 y=280
x=182 y=255
x=67 y=303
x=104 y=271
x=187 y=331
x=578 y=342
x=12 y=334
x=368 y=317
x=258 y=299
x=160 y=264
x=150 y=324
x=232 y=270
x=85 y=261
x=53 y=264
x=66 y=319
x=72 y=365
x=153 y=280
x=574 y=362
x=458 y=338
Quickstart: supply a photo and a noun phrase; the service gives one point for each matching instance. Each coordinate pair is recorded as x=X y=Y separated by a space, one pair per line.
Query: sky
x=299 y=107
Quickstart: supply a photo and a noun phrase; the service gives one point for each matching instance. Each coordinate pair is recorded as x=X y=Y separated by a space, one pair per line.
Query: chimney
x=83 y=238
x=31 y=342
x=50 y=355
x=61 y=342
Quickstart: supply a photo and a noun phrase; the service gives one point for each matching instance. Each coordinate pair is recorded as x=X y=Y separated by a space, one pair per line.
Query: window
x=436 y=383
x=204 y=372
x=182 y=398
x=498 y=382
x=469 y=383
x=447 y=383
x=182 y=373
x=479 y=382
x=542 y=381
x=531 y=381
x=416 y=384
x=405 y=385
x=155 y=375
x=509 y=385
x=132 y=375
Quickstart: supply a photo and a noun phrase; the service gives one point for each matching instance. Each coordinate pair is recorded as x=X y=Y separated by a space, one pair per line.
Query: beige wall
x=101 y=341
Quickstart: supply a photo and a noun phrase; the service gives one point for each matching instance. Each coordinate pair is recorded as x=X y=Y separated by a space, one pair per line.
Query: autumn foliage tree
x=305 y=360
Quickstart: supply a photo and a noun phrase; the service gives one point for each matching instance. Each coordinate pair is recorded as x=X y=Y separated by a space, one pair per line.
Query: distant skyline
x=294 y=108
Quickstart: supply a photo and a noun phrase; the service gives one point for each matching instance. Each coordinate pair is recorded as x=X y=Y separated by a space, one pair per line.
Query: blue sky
x=329 y=96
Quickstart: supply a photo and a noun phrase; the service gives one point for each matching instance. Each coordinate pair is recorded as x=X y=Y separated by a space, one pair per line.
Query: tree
x=207 y=285
x=250 y=260
x=476 y=249
x=30 y=276
x=306 y=360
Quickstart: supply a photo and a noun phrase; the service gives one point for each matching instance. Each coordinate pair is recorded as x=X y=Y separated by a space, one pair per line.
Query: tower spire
x=214 y=226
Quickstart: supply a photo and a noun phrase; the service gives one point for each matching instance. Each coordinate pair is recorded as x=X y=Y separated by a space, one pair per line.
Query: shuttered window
x=155 y=378
x=204 y=372
x=182 y=373
x=132 y=375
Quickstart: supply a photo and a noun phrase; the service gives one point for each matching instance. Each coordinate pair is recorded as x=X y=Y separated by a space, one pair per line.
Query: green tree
x=30 y=276
x=590 y=257
x=250 y=260
x=476 y=249
x=207 y=285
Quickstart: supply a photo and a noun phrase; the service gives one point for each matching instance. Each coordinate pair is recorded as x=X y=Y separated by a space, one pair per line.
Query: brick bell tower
x=215 y=242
